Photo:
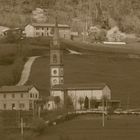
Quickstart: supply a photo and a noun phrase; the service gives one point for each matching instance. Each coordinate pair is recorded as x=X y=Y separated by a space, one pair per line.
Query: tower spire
x=56 y=59
x=56 y=34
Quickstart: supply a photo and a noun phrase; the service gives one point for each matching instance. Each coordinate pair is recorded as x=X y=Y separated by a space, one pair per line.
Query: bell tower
x=56 y=60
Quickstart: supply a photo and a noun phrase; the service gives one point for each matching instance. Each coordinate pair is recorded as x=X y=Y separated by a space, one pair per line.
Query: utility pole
x=128 y=101
x=103 y=114
x=22 y=127
x=39 y=110
x=90 y=2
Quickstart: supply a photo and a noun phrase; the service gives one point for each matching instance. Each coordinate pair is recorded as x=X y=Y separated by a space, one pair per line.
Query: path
x=26 y=70
x=74 y=52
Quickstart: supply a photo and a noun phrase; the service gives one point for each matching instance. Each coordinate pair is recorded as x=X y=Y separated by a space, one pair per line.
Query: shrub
x=38 y=125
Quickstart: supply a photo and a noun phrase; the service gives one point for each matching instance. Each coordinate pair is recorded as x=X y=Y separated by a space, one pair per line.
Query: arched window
x=54 y=58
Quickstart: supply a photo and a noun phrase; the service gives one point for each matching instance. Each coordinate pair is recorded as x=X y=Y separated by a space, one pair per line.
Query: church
x=77 y=92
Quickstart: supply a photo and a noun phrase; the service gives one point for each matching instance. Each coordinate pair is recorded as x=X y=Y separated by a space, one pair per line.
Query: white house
x=18 y=97
x=43 y=29
x=3 y=30
x=76 y=92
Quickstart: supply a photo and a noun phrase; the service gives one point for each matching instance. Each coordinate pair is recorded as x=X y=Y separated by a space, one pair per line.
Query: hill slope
x=124 y=13
x=117 y=70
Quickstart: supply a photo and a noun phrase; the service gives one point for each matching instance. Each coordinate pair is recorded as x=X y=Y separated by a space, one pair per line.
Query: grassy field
x=85 y=127
x=89 y=127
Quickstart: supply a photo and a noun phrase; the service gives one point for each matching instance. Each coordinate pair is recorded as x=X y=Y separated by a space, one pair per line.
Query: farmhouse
x=79 y=93
x=39 y=29
x=18 y=97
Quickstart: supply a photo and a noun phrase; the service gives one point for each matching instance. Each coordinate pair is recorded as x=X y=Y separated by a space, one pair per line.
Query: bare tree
x=81 y=101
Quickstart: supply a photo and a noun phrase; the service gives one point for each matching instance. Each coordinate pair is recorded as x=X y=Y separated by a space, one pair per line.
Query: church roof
x=9 y=89
x=94 y=86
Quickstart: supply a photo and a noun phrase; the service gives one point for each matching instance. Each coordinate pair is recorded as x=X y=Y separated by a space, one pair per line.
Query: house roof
x=3 y=29
x=49 y=25
x=9 y=89
x=94 y=86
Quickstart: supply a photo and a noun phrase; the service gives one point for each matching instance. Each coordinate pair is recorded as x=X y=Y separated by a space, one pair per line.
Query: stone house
x=18 y=97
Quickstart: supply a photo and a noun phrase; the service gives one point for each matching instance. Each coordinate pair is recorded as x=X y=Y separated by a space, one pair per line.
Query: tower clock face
x=61 y=80
x=55 y=81
x=61 y=71
x=55 y=72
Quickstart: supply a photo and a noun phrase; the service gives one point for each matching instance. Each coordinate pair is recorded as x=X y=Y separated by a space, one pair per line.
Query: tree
x=96 y=34
x=86 y=103
x=17 y=69
x=93 y=103
x=57 y=100
x=81 y=101
x=38 y=126
x=13 y=35
x=69 y=103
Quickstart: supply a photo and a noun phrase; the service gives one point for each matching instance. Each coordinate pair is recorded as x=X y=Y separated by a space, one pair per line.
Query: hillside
x=118 y=70
x=77 y=13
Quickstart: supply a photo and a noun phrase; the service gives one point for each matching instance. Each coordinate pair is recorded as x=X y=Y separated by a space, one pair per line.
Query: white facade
x=93 y=92
x=29 y=31
x=59 y=93
x=38 y=30
x=90 y=94
x=18 y=97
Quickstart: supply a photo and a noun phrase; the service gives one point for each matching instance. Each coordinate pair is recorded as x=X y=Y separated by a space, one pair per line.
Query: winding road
x=26 y=70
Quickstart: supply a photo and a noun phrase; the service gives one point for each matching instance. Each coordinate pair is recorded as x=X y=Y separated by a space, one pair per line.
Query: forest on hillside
x=77 y=13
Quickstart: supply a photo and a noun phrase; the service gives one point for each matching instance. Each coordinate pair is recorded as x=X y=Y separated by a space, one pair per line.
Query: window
x=37 y=28
x=31 y=95
x=49 y=105
x=54 y=58
x=13 y=95
x=37 y=34
x=4 y=106
x=36 y=95
x=4 y=95
x=21 y=105
x=21 y=95
x=13 y=106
